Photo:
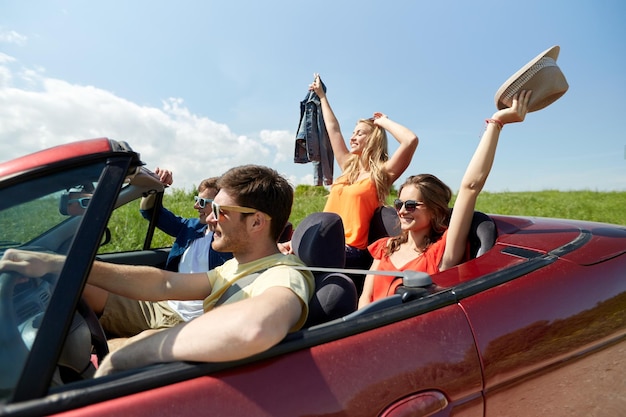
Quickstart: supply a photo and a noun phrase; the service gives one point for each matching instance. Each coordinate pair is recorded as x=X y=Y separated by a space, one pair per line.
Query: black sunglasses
x=83 y=202
x=202 y=202
x=409 y=205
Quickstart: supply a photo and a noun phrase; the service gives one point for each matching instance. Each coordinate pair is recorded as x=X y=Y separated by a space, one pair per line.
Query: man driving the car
x=249 y=213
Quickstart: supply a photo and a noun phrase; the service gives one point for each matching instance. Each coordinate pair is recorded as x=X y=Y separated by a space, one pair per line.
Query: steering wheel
x=84 y=334
x=13 y=350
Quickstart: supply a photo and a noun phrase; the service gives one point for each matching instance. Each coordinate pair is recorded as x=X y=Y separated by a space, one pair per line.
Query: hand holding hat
x=541 y=75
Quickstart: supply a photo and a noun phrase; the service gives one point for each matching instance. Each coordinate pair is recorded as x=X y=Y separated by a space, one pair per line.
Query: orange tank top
x=355 y=204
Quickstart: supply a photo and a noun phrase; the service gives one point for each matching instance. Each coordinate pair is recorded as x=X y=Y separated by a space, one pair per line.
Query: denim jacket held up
x=312 y=142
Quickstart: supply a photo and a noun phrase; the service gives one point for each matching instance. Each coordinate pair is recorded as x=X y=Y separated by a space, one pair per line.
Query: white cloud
x=11 y=36
x=281 y=140
x=49 y=112
x=4 y=58
x=5 y=73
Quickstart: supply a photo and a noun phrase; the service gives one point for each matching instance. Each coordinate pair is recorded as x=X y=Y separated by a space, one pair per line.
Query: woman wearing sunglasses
x=428 y=242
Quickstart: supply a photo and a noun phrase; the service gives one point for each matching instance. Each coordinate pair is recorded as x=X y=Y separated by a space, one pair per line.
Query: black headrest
x=482 y=234
x=385 y=222
x=319 y=240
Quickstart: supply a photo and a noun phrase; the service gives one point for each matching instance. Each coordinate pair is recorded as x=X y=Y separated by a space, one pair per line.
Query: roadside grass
x=603 y=207
x=129 y=228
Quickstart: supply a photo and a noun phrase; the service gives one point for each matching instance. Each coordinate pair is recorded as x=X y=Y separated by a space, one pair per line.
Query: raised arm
x=408 y=141
x=167 y=178
x=475 y=177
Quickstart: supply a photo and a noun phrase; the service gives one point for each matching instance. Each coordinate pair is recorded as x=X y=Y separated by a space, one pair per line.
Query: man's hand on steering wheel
x=31 y=264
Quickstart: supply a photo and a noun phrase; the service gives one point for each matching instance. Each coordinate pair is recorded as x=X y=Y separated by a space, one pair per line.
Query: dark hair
x=260 y=188
x=436 y=196
x=208 y=183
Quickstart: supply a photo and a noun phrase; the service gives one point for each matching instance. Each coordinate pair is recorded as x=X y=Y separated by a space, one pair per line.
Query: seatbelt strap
x=409 y=277
x=248 y=279
x=350 y=271
x=238 y=285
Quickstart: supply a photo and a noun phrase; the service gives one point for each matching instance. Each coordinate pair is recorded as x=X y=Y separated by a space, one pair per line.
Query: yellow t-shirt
x=277 y=272
x=355 y=204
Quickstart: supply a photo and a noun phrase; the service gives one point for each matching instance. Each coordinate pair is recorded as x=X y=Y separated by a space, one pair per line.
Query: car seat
x=319 y=242
x=384 y=223
x=482 y=235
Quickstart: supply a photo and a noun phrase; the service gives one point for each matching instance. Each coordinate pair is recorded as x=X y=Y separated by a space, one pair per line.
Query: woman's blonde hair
x=436 y=196
x=374 y=155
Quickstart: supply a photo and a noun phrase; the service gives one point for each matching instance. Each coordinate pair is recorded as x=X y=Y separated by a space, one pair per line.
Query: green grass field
x=129 y=229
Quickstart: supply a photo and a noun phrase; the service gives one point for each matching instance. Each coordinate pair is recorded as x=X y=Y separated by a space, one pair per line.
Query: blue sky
x=201 y=86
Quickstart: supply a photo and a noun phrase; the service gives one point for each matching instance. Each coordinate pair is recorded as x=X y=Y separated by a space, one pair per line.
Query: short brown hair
x=208 y=183
x=260 y=188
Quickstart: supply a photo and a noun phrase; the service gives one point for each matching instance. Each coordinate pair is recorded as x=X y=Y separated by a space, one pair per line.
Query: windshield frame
x=40 y=365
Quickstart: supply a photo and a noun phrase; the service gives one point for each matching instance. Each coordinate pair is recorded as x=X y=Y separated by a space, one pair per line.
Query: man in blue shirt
x=190 y=252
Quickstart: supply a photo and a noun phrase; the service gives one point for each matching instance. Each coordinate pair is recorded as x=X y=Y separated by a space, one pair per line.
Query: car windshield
x=39 y=214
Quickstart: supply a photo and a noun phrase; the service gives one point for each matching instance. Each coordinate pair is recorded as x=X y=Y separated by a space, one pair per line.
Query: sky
x=200 y=86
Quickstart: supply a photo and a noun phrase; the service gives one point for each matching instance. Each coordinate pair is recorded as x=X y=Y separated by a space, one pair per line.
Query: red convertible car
x=534 y=323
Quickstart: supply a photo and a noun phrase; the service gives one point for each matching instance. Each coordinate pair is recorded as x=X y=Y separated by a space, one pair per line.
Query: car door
x=414 y=358
x=553 y=341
